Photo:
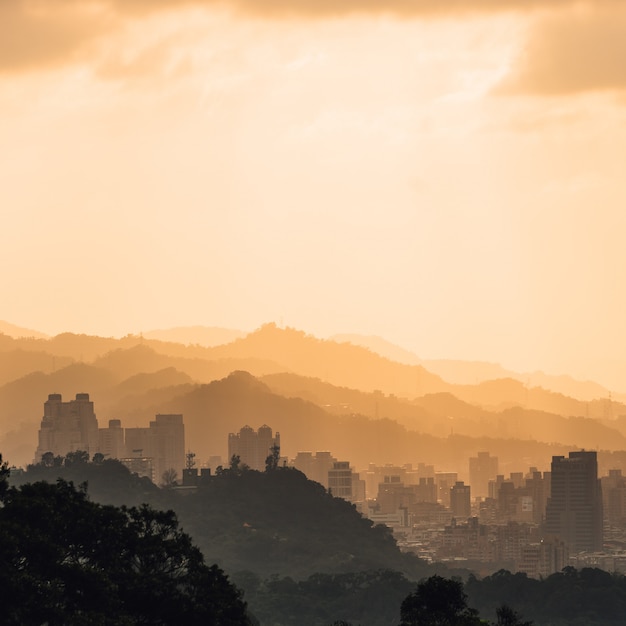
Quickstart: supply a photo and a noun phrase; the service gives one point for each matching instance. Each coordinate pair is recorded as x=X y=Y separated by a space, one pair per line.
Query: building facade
x=252 y=447
x=574 y=509
x=73 y=426
x=482 y=468
x=67 y=426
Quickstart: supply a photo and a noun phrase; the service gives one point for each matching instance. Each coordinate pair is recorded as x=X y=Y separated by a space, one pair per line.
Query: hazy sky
x=448 y=174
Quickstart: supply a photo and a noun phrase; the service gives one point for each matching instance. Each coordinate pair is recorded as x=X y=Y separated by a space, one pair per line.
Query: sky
x=446 y=174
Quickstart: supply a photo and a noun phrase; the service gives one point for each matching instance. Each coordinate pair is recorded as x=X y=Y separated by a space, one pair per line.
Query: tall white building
x=72 y=426
x=67 y=426
x=252 y=447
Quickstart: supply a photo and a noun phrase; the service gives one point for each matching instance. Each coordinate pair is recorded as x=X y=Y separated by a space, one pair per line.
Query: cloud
x=333 y=8
x=34 y=35
x=569 y=54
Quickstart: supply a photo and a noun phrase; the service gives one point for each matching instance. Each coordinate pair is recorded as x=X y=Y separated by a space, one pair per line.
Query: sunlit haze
x=447 y=175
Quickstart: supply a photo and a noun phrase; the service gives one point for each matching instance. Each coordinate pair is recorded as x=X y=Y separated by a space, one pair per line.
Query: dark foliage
x=438 y=601
x=280 y=523
x=67 y=560
x=110 y=482
x=589 y=597
x=371 y=598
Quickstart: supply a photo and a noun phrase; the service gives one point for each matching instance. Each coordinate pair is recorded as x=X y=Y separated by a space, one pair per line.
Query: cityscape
x=532 y=522
x=259 y=467
x=312 y=313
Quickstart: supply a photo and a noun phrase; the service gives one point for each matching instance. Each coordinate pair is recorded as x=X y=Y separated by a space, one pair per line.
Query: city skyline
x=445 y=175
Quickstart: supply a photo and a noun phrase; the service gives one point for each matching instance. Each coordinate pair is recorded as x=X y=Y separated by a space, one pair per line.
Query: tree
x=235 y=461
x=4 y=477
x=506 y=616
x=438 y=601
x=67 y=560
x=79 y=457
x=47 y=459
x=271 y=462
x=169 y=478
x=97 y=458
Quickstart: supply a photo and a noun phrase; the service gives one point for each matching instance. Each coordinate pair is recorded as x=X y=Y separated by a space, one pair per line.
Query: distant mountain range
x=320 y=394
x=207 y=336
x=11 y=330
x=474 y=372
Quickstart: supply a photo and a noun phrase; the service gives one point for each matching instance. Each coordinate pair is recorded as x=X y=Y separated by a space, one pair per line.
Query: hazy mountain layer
x=318 y=394
x=207 y=336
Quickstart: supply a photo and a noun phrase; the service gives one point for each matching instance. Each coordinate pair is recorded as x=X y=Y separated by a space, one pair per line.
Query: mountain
x=207 y=336
x=11 y=330
x=341 y=364
x=381 y=346
x=474 y=372
x=320 y=394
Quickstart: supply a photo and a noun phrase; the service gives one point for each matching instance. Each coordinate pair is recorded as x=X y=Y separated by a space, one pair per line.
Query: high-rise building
x=614 y=497
x=168 y=440
x=252 y=447
x=111 y=440
x=460 y=500
x=315 y=466
x=482 y=469
x=163 y=443
x=72 y=426
x=574 y=509
x=67 y=426
x=340 y=480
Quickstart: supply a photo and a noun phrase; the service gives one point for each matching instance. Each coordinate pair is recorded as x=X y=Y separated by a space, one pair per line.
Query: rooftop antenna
x=191 y=460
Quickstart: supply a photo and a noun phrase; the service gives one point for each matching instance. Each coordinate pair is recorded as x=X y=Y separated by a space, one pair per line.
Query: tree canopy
x=438 y=601
x=65 y=559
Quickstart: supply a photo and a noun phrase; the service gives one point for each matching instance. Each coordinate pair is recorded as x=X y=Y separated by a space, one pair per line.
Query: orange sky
x=446 y=174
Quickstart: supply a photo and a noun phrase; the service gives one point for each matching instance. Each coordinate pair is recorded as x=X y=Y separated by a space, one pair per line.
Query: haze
x=447 y=175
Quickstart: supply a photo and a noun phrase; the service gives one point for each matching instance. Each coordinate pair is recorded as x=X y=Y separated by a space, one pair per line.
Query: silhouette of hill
x=17 y=363
x=381 y=346
x=280 y=523
x=11 y=330
x=340 y=364
x=207 y=336
x=473 y=372
x=443 y=413
x=319 y=394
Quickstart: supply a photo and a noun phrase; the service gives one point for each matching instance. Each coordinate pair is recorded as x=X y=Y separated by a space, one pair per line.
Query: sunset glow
x=448 y=175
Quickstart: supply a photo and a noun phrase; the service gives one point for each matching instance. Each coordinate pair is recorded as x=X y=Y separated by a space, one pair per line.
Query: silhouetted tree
x=506 y=616
x=438 y=601
x=78 y=457
x=97 y=458
x=4 y=477
x=47 y=459
x=234 y=463
x=169 y=478
x=271 y=462
x=67 y=560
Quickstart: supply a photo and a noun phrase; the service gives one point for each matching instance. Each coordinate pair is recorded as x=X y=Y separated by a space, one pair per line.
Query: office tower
x=574 y=509
x=162 y=444
x=67 y=426
x=340 y=480
x=111 y=440
x=482 y=469
x=315 y=466
x=614 y=497
x=252 y=447
x=168 y=440
x=460 y=500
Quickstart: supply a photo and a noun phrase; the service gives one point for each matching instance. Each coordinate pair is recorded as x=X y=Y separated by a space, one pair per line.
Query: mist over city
x=312 y=312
